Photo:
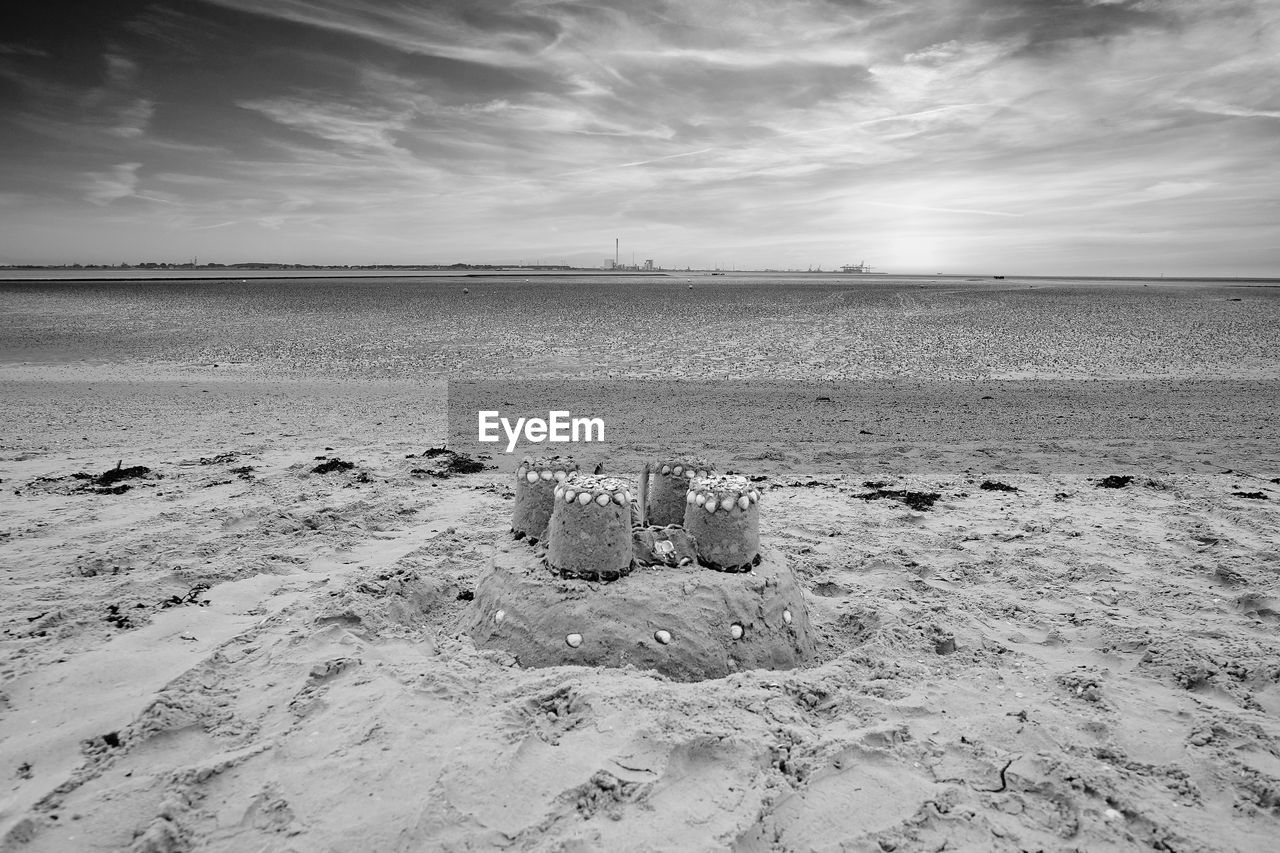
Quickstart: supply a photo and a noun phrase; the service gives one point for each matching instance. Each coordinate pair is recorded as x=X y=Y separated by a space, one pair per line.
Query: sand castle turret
x=723 y=516
x=671 y=478
x=536 y=481
x=589 y=535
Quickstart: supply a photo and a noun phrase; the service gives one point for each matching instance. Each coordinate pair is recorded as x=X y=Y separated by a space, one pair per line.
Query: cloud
x=1231 y=110
x=103 y=188
x=132 y=120
x=349 y=126
x=482 y=33
x=748 y=123
x=937 y=209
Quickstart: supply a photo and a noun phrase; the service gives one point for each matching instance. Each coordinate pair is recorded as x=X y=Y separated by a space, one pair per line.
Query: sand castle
x=694 y=601
x=536 y=482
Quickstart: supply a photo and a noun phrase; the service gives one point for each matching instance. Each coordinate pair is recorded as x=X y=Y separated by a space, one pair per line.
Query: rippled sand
x=749 y=327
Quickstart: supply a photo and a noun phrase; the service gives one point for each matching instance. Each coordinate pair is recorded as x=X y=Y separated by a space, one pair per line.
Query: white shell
x=744 y=502
x=735 y=631
x=573 y=640
x=666 y=469
x=619 y=498
x=532 y=476
x=691 y=497
x=727 y=504
x=545 y=474
x=559 y=492
x=627 y=494
x=753 y=495
x=602 y=499
x=560 y=475
x=499 y=616
x=569 y=495
x=522 y=471
x=678 y=470
x=662 y=636
x=786 y=616
x=688 y=472
x=703 y=474
x=710 y=505
x=584 y=498
x=698 y=499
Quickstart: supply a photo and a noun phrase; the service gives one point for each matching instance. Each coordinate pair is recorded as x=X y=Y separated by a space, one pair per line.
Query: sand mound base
x=689 y=623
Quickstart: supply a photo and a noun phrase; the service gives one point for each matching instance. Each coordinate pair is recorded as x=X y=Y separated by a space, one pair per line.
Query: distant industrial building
x=615 y=264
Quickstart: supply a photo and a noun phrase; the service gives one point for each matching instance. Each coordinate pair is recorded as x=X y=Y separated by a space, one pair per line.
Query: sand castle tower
x=671 y=478
x=536 y=482
x=589 y=535
x=723 y=516
x=598 y=592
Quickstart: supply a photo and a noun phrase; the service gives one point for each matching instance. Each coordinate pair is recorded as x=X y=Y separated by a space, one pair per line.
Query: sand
x=274 y=659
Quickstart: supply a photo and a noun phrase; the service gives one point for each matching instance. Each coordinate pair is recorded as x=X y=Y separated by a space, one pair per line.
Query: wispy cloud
x=965 y=210
x=103 y=188
x=132 y=120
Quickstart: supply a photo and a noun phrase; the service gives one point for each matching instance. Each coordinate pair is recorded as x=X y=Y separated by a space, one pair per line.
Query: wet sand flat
x=777 y=327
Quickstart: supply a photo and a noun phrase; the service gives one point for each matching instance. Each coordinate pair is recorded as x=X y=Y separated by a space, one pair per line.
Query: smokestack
x=615 y=251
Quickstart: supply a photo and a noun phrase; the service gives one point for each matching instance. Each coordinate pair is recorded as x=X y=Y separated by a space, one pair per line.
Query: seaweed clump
x=448 y=463
x=919 y=501
x=334 y=464
x=1114 y=482
x=109 y=481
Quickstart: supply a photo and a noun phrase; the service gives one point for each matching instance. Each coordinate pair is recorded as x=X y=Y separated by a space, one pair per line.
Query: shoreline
x=876 y=277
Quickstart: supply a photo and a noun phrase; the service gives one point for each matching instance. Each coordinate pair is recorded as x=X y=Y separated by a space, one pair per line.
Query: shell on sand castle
x=688 y=624
x=723 y=516
x=536 y=481
x=671 y=478
x=589 y=534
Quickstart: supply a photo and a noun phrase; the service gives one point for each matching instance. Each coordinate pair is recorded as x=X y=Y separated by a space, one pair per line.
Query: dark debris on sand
x=220 y=459
x=119 y=618
x=109 y=482
x=192 y=597
x=330 y=465
x=996 y=486
x=118 y=473
x=1114 y=482
x=447 y=463
x=919 y=501
x=1256 y=496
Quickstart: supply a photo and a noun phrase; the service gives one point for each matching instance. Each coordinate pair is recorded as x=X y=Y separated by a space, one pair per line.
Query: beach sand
x=239 y=654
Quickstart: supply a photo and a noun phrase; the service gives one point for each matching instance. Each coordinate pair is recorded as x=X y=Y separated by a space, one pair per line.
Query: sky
x=1049 y=137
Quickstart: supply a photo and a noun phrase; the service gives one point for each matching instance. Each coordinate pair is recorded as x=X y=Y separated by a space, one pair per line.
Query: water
x=746 y=326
